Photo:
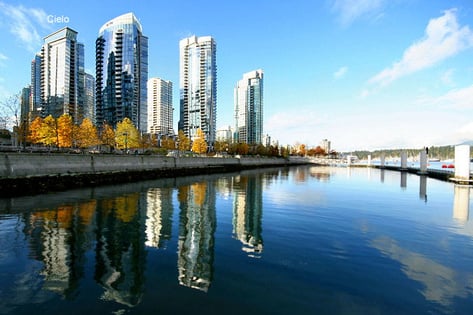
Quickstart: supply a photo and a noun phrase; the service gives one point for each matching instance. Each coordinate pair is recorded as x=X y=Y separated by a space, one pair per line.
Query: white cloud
x=24 y=23
x=2 y=59
x=351 y=10
x=340 y=73
x=454 y=99
x=447 y=77
x=443 y=38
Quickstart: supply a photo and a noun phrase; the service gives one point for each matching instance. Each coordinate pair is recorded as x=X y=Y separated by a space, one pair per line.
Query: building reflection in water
x=461 y=202
x=58 y=238
x=196 y=235
x=423 y=187
x=120 y=251
x=248 y=213
x=158 y=217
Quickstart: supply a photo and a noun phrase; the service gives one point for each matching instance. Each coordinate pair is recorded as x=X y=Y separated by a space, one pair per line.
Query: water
x=304 y=240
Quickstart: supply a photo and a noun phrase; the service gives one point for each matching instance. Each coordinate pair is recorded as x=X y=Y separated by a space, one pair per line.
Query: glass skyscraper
x=35 y=105
x=249 y=108
x=121 y=72
x=61 y=55
x=198 y=87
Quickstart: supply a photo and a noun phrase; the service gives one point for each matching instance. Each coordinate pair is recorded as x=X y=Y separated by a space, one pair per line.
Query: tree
x=107 y=136
x=199 y=145
x=49 y=131
x=34 y=131
x=168 y=143
x=126 y=135
x=184 y=141
x=10 y=112
x=65 y=129
x=87 y=134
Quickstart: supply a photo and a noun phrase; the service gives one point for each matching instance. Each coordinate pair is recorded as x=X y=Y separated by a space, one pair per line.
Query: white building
x=198 y=87
x=160 y=111
x=61 y=55
x=249 y=108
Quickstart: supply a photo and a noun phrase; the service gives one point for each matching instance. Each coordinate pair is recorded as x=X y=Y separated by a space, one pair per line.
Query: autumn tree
x=107 y=137
x=168 y=143
x=87 y=134
x=199 y=145
x=65 y=129
x=49 y=131
x=126 y=135
x=34 y=131
x=184 y=141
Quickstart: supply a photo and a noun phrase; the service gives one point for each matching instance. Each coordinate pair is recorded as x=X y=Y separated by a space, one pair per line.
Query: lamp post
x=126 y=142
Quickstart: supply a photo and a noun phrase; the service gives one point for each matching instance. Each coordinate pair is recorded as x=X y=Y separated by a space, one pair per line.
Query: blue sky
x=365 y=74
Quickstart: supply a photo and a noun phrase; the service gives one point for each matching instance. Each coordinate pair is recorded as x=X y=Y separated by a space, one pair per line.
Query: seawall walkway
x=27 y=173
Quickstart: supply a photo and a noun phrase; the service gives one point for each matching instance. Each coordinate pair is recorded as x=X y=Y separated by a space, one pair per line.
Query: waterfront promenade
x=26 y=173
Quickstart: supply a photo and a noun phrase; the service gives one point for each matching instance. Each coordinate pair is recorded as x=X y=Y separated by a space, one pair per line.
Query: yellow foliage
x=87 y=134
x=126 y=135
x=200 y=145
x=34 y=132
x=65 y=131
x=49 y=131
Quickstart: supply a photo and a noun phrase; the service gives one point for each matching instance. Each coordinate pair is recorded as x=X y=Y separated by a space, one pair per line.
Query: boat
x=434 y=160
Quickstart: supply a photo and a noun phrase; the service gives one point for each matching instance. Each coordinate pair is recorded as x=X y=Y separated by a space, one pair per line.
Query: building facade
x=35 y=97
x=249 y=108
x=121 y=72
x=89 y=97
x=61 y=55
x=198 y=87
x=160 y=111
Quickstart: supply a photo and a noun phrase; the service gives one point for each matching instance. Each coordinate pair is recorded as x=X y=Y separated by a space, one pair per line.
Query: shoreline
x=30 y=174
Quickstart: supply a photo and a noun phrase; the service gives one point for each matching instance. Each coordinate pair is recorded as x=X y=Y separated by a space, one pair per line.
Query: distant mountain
x=470 y=143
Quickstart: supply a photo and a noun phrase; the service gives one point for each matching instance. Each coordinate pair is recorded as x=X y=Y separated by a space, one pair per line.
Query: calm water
x=305 y=240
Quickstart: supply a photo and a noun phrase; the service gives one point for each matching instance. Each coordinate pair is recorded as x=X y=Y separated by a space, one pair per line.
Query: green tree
x=199 y=145
x=126 y=135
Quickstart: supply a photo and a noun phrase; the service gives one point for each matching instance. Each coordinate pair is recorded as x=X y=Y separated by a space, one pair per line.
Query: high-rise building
x=89 y=97
x=60 y=58
x=198 y=87
x=25 y=102
x=121 y=72
x=35 y=97
x=160 y=115
x=249 y=108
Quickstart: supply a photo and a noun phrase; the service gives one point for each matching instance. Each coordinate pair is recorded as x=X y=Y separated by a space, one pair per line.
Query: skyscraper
x=89 y=97
x=35 y=97
x=121 y=72
x=249 y=108
x=160 y=115
x=60 y=58
x=198 y=87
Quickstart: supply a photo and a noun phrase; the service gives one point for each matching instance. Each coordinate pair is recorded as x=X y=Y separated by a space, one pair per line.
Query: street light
x=126 y=142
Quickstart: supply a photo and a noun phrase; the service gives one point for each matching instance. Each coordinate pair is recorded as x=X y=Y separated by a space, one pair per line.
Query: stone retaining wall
x=23 y=173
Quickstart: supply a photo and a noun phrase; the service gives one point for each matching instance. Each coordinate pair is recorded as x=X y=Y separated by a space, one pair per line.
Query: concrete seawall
x=37 y=173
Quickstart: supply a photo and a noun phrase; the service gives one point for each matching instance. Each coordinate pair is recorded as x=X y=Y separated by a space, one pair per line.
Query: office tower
x=35 y=98
x=89 y=97
x=25 y=104
x=198 y=87
x=160 y=115
x=121 y=72
x=249 y=108
x=60 y=57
